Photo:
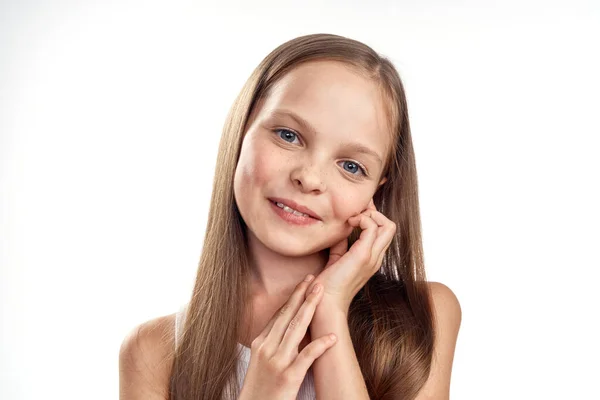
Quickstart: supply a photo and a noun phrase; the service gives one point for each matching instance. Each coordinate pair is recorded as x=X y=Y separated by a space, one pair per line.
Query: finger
x=367 y=236
x=296 y=329
x=378 y=217
x=310 y=353
x=384 y=238
x=380 y=258
x=367 y=225
x=285 y=320
x=337 y=251
x=385 y=233
x=286 y=311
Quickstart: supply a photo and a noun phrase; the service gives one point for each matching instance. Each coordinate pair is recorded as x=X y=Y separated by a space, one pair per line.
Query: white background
x=110 y=117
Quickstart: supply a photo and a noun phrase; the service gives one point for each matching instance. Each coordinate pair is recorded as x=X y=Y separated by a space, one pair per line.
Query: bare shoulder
x=445 y=302
x=145 y=359
x=447 y=315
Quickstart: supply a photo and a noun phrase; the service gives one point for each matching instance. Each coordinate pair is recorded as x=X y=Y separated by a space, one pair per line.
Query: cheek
x=256 y=167
x=263 y=169
x=347 y=204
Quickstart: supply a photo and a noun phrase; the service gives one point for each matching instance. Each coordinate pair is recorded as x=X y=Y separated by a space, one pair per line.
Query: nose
x=308 y=179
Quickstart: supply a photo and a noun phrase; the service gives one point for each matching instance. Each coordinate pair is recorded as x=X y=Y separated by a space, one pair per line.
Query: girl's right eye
x=286 y=134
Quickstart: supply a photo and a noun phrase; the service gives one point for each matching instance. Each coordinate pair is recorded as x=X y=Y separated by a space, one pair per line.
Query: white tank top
x=307 y=389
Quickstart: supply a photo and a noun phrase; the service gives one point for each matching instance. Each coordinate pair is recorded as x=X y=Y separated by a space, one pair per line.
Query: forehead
x=336 y=100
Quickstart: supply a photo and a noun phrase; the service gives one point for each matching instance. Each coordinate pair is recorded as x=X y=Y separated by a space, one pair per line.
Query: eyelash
x=359 y=165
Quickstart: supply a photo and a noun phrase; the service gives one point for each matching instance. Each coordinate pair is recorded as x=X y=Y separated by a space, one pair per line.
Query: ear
x=383 y=180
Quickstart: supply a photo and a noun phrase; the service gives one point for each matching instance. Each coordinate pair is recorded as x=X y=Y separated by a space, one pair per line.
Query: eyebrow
x=359 y=148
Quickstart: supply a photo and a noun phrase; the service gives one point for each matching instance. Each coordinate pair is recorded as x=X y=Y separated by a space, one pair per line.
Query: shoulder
x=145 y=359
x=447 y=316
x=445 y=303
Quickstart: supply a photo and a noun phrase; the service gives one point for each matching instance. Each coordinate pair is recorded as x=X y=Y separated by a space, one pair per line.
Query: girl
x=315 y=179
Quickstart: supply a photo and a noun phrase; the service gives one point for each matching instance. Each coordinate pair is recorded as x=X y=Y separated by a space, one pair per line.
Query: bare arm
x=448 y=316
x=337 y=374
x=145 y=360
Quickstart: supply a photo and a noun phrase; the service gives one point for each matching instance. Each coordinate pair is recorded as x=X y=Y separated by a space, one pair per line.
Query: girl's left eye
x=355 y=167
x=287 y=134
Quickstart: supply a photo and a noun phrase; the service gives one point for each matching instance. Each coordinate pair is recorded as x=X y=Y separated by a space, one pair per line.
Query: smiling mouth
x=291 y=210
x=290 y=206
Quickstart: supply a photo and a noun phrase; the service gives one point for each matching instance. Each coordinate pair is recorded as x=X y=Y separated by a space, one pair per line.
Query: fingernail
x=332 y=337
x=308 y=278
x=317 y=288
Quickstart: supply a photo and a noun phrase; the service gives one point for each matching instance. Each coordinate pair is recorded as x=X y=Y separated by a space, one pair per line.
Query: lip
x=291 y=218
x=295 y=206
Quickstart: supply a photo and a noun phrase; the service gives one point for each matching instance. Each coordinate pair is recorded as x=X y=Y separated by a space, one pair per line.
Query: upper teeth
x=291 y=210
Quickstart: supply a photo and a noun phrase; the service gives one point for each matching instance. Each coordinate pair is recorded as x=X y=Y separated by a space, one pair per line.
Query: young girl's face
x=333 y=168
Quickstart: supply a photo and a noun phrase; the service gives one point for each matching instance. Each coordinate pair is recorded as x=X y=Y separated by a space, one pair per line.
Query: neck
x=275 y=276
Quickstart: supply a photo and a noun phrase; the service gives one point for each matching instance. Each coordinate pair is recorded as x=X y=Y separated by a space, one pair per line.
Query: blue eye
x=354 y=166
x=287 y=134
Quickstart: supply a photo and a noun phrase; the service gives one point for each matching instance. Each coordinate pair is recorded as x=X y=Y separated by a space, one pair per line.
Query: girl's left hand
x=347 y=271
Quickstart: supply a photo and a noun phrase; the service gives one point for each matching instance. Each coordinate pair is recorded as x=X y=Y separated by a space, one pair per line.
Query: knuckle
x=314 y=297
x=260 y=351
x=294 y=322
x=261 y=357
x=283 y=310
x=312 y=292
x=256 y=343
x=277 y=364
x=302 y=284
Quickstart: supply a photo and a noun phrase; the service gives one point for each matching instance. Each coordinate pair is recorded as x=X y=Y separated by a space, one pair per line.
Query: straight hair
x=390 y=318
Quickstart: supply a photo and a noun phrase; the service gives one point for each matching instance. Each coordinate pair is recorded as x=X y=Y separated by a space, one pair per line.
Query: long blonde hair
x=390 y=318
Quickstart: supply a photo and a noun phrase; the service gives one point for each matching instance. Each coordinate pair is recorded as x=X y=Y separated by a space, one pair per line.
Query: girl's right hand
x=276 y=370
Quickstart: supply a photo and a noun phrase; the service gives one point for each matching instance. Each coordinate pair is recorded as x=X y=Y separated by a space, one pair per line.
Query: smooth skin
x=145 y=354
x=145 y=360
x=307 y=142
x=276 y=369
x=315 y=167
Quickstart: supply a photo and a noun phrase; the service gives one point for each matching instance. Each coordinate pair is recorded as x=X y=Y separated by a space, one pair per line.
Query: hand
x=347 y=271
x=276 y=370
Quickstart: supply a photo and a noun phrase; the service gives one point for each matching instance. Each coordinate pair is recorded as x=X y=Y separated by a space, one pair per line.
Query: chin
x=294 y=246
x=290 y=245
